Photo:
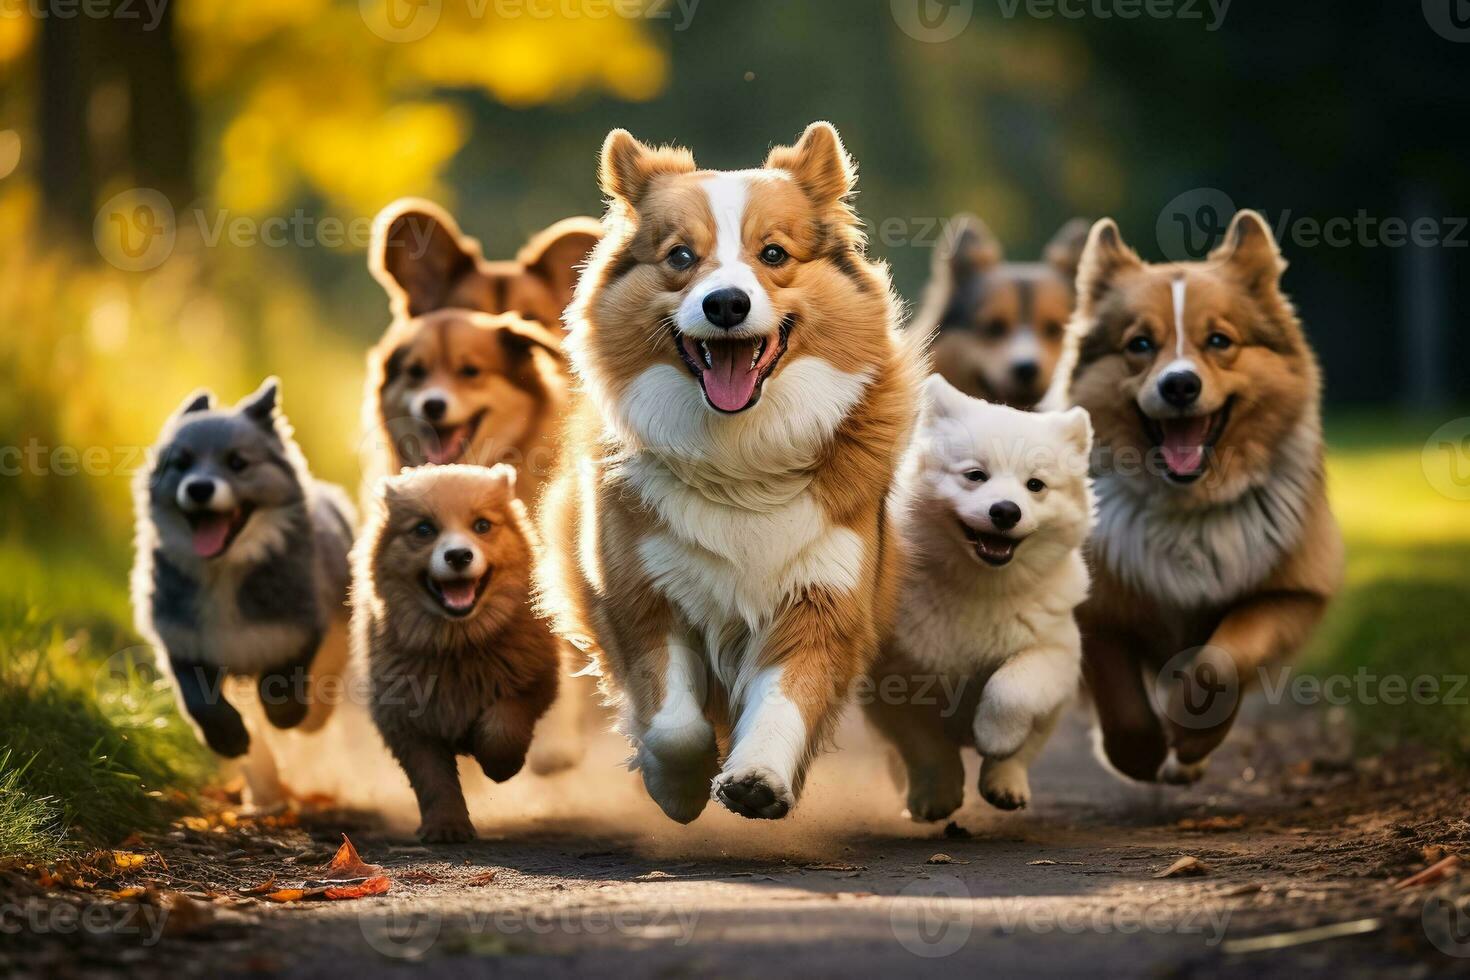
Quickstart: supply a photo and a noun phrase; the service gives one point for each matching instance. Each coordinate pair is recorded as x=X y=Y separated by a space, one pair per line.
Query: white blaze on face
x=1182 y=361
x=727 y=267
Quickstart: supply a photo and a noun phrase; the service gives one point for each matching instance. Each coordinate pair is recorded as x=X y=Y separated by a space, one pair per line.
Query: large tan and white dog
x=1215 y=551
x=719 y=531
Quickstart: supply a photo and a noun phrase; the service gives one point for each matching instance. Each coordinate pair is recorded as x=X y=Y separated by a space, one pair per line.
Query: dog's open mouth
x=457 y=596
x=1185 y=443
x=993 y=549
x=213 y=531
x=731 y=372
x=450 y=442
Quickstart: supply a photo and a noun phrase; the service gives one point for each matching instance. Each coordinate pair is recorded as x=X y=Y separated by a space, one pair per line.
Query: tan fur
x=446 y=686
x=1273 y=431
x=426 y=263
x=982 y=309
x=844 y=313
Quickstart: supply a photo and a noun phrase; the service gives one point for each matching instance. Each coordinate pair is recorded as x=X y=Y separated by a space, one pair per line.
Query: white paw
x=755 y=792
x=1181 y=773
x=1006 y=787
x=1000 y=733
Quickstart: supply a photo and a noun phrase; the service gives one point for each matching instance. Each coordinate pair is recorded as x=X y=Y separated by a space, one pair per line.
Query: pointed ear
x=418 y=254
x=1250 y=250
x=504 y=475
x=967 y=249
x=944 y=400
x=202 y=400
x=1076 y=427
x=819 y=163
x=260 y=407
x=518 y=335
x=1103 y=257
x=628 y=166
x=1064 y=251
x=556 y=255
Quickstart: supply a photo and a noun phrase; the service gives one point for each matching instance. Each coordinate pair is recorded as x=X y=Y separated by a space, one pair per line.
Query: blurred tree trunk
x=160 y=117
x=65 y=68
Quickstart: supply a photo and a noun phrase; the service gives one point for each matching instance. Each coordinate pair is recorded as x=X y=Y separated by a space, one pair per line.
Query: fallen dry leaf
x=1049 y=861
x=944 y=859
x=127 y=860
x=481 y=880
x=417 y=876
x=264 y=888
x=1186 y=867
x=123 y=894
x=1214 y=823
x=373 y=886
x=834 y=866
x=1433 y=874
x=287 y=895
x=348 y=865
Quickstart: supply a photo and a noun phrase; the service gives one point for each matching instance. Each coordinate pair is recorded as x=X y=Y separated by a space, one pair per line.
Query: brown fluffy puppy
x=460 y=665
x=1215 y=551
x=426 y=263
x=998 y=325
x=719 y=529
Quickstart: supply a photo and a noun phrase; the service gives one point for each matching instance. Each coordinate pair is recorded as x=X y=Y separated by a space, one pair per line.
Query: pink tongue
x=730 y=383
x=450 y=447
x=1184 y=444
x=210 y=535
x=458 y=595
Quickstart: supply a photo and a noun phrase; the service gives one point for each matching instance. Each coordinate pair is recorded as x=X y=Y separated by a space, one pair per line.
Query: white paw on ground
x=1181 y=773
x=1006 y=787
x=755 y=792
x=999 y=733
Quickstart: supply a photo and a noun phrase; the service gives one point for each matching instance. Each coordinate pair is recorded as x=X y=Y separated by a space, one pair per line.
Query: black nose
x=727 y=308
x=1005 y=515
x=200 y=491
x=1026 y=372
x=434 y=409
x=459 y=558
x=1180 y=388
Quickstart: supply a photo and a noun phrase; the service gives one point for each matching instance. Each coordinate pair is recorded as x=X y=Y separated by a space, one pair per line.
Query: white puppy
x=995 y=504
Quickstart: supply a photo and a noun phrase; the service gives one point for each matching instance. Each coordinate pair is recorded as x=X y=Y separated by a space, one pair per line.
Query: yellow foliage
x=16 y=33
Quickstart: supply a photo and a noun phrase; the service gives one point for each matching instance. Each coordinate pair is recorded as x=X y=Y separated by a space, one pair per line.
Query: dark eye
x=1035 y=485
x=773 y=255
x=1219 y=341
x=1053 y=331
x=424 y=529
x=469 y=371
x=1142 y=344
x=183 y=459
x=681 y=257
x=417 y=372
x=236 y=462
x=976 y=476
x=481 y=526
x=995 y=329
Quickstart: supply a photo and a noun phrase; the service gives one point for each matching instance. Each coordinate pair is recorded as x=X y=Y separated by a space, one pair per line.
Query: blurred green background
x=186 y=188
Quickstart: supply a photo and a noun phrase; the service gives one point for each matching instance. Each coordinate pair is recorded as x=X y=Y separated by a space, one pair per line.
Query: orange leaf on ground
x=1187 y=866
x=373 y=886
x=481 y=880
x=126 y=860
x=287 y=895
x=1433 y=874
x=348 y=865
x=264 y=888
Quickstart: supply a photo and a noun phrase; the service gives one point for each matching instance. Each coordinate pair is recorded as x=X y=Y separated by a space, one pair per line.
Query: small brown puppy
x=998 y=325
x=460 y=665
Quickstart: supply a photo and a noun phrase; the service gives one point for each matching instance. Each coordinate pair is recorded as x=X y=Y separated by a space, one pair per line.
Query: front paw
x=755 y=792
x=1005 y=787
x=446 y=830
x=554 y=752
x=932 y=803
x=1181 y=773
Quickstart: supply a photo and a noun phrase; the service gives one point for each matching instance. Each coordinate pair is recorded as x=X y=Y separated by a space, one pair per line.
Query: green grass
x=1404 y=608
x=91 y=748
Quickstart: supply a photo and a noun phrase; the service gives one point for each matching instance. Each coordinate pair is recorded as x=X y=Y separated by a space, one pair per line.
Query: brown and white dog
x=1215 y=551
x=998 y=325
x=471 y=368
x=719 y=532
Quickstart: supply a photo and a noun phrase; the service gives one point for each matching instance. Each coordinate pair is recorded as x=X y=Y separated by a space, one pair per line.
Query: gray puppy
x=241 y=572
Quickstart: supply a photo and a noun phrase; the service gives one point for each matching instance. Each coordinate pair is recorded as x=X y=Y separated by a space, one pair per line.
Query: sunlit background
x=185 y=194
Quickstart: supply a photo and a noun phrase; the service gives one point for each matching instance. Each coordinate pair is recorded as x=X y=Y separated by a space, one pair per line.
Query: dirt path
x=581 y=875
